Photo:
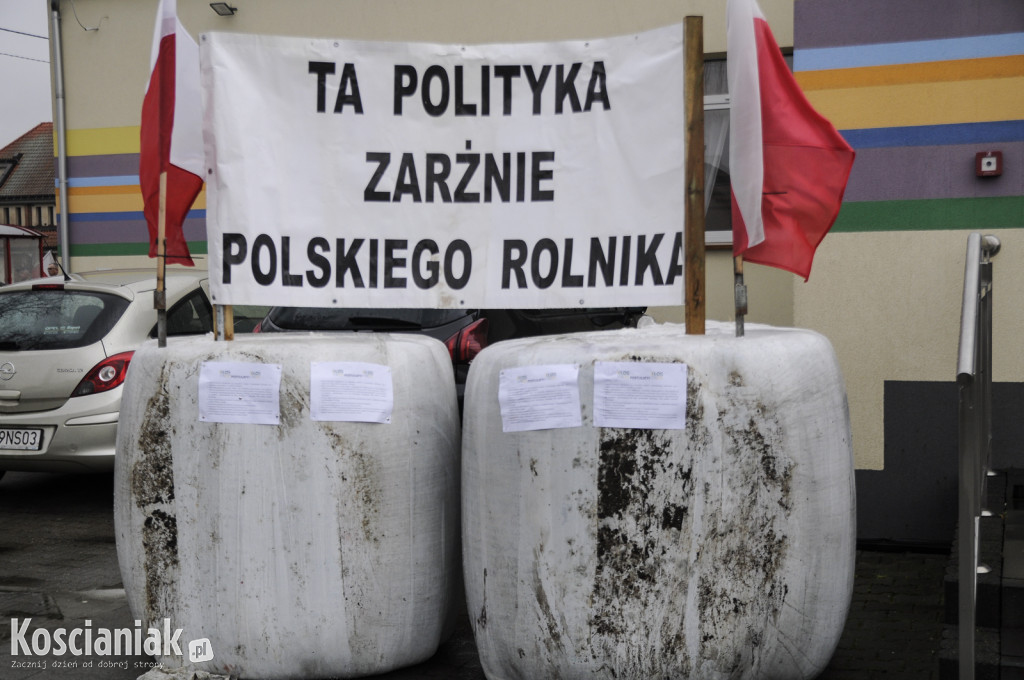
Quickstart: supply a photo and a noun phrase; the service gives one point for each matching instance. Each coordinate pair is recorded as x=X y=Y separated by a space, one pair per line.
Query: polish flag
x=171 y=132
x=788 y=165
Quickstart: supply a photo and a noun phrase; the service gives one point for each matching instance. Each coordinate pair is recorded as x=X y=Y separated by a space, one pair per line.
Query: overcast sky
x=24 y=67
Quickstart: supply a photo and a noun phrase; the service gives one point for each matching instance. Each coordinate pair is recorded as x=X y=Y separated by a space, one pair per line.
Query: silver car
x=65 y=345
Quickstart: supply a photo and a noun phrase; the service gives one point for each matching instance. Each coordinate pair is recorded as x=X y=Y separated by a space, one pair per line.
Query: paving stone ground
x=893 y=630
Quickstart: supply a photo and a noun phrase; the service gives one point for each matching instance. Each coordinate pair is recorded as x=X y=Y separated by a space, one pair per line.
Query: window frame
x=718 y=238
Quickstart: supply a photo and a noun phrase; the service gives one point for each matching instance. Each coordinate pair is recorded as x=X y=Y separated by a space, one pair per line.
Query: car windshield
x=331 y=319
x=56 y=319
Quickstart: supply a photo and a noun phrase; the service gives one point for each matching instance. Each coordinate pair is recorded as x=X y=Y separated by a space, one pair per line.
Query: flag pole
x=229 y=323
x=160 y=294
x=224 y=323
x=693 y=227
x=740 y=293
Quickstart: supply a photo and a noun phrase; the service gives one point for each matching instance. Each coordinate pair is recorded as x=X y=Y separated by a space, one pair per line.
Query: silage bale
x=721 y=550
x=308 y=549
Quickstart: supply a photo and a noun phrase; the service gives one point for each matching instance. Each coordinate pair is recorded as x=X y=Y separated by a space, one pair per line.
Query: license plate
x=21 y=440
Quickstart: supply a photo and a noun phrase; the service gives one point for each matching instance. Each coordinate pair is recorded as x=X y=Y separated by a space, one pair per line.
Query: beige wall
x=890 y=304
x=769 y=293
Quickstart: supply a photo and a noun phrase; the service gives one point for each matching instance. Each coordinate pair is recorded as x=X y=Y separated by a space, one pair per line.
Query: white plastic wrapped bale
x=722 y=550
x=308 y=549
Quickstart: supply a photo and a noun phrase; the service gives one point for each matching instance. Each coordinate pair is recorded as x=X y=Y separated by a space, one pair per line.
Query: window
x=717 y=196
x=56 y=319
x=6 y=168
x=24 y=259
x=191 y=316
x=717 y=201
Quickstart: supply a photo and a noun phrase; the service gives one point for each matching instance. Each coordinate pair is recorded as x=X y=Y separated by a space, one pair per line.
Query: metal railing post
x=974 y=377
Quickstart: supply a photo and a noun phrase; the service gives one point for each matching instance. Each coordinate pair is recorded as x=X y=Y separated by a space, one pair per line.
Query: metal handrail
x=974 y=378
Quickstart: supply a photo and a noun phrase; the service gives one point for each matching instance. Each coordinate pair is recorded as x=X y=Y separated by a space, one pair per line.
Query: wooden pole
x=229 y=323
x=224 y=322
x=160 y=294
x=694 y=228
x=740 y=293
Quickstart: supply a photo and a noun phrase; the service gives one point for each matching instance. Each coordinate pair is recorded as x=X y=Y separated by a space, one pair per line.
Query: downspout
x=62 y=153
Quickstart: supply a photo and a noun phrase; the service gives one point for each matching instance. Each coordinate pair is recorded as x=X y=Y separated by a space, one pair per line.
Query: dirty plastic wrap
x=722 y=550
x=309 y=549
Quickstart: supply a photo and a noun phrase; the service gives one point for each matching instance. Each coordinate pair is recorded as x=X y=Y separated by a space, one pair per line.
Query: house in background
x=27 y=194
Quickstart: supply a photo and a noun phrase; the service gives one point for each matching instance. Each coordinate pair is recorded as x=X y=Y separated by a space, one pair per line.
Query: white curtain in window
x=716 y=134
x=716 y=127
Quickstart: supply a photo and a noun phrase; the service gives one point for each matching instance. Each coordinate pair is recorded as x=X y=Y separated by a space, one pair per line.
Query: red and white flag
x=788 y=165
x=171 y=132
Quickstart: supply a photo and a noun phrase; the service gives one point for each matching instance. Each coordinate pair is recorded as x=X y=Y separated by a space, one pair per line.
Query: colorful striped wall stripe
x=928 y=135
x=114 y=199
x=839 y=23
x=110 y=165
x=105 y=215
x=903 y=74
x=918 y=110
x=911 y=52
x=1005 y=212
x=929 y=172
x=916 y=84
x=104 y=141
x=111 y=181
x=195 y=248
x=915 y=104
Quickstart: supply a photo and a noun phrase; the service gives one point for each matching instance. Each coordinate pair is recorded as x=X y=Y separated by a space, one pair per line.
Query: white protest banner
x=372 y=174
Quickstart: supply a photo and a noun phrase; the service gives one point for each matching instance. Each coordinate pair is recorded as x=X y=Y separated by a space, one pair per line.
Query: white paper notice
x=353 y=391
x=539 y=397
x=640 y=395
x=237 y=392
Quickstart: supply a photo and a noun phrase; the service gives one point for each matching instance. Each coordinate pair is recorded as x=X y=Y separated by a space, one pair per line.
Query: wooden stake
x=740 y=293
x=694 y=227
x=223 y=322
x=229 y=323
x=160 y=294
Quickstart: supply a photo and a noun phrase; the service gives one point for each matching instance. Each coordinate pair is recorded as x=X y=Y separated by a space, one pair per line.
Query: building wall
x=106 y=72
x=916 y=86
x=29 y=214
